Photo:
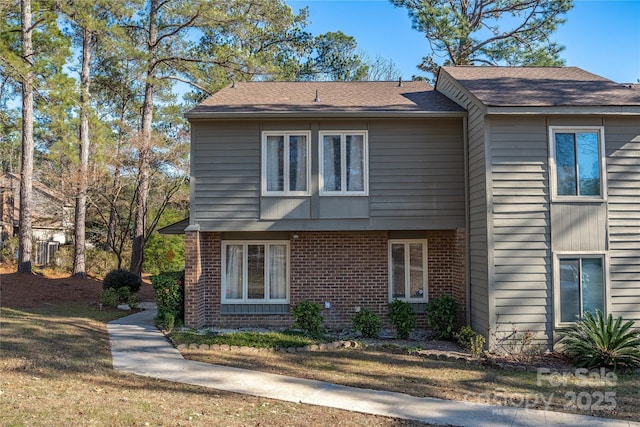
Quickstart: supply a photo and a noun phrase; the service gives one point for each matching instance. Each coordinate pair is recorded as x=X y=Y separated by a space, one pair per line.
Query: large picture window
x=343 y=163
x=255 y=272
x=581 y=285
x=408 y=270
x=285 y=163
x=577 y=155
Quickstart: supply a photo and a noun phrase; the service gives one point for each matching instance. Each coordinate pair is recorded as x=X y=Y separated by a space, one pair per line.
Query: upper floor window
x=578 y=158
x=408 y=270
x=285 y=163
x=343 y=163
x=581 y=284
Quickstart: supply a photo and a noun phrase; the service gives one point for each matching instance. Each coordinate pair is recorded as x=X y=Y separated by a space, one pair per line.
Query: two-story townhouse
x=348 y=194
x=520 y=199
x=554 y=183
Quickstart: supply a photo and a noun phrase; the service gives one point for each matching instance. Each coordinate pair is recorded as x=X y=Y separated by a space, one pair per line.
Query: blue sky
x=601 y=36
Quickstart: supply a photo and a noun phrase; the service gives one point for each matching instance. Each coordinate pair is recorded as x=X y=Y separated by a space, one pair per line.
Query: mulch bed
x=20 y=290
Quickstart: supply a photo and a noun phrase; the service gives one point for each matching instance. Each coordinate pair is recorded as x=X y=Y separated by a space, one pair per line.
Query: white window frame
x=245 y=284
x=553 y=179
x=557 y=257
x=365 y=153
x=286 y=135
x=407 y=267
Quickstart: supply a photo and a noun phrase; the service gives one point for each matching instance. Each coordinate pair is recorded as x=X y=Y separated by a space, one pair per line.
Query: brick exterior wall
x=347 y=269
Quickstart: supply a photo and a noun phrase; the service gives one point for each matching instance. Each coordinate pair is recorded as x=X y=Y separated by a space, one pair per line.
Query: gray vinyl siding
x=481 y=306
x=622 y=139
x=416 y=178
x=225 y=171
x=521 y=226
x=416 y=169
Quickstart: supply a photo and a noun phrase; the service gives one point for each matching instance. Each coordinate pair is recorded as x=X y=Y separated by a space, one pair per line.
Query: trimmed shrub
x=402 y=317
x=602 y=342
x=121 y=278
x=168 y=289
x=109 y=297
x=442 y=315
x=367 y=322
x=308 y=317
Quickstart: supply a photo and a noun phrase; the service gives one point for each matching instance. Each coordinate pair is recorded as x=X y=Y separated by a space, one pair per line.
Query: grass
x=388 y=369
x=273 y=340
x=55 y=369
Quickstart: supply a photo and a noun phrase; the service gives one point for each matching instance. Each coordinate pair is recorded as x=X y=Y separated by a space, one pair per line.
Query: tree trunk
x=26 y=174
x=79 y=268
x=137 y=255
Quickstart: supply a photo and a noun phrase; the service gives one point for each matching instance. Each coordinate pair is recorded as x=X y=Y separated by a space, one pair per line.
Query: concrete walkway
x=138 y=347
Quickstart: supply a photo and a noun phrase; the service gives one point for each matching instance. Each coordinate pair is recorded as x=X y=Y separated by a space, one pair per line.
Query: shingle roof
x=334 y=97
x=542 y=87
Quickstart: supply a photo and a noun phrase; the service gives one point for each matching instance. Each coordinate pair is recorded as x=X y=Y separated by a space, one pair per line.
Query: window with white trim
x=408 y=270
x=255 y=272
x=577 y=156
x=580 y=286
x=285 y=163
x=343 y=163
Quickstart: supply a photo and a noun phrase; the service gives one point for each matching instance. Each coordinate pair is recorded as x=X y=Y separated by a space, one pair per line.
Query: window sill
x=578 y=199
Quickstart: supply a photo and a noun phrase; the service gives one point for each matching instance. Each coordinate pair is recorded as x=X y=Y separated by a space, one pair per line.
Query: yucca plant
x=602 y=342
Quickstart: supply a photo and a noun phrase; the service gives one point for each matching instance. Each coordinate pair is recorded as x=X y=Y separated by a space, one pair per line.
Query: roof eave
x=564 y=110
x=324 y=114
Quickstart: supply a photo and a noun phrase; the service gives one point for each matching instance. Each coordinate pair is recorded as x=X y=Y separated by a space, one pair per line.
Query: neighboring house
x=554 y=179
x=520 y=199
x=52 y=217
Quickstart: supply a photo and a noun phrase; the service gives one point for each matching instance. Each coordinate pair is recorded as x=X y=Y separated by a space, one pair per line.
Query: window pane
x=275 y=163
x=398 y=271
x=416 y=270
x=592 y=285
x=332 y=167
x=277 y=272
x=298 y=163
x=569 y=290
x=233 y=272
x=355 y=162
x=255 y=274
x=566 y=164
x=589 y=164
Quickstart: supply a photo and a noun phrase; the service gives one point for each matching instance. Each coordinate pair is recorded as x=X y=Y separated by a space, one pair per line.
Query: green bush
x=468 y=339
x=109 y=297
x=121 y=278
x=168 y=289
x=442 y=315
x=402 y=317
x=367 y=322
x=308 y=317
x=602 y=342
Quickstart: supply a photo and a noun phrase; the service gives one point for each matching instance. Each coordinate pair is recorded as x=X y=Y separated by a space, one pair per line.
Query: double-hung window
x=285 y=163
x=577 y=156
x=255 y=272
x=580 y=286
x=343 y=163
x=408 y=270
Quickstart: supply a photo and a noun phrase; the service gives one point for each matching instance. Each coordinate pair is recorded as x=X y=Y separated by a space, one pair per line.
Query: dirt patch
x=20 y=290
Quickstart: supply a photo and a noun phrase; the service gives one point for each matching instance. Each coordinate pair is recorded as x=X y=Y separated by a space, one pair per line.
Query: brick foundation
x=347 y=269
